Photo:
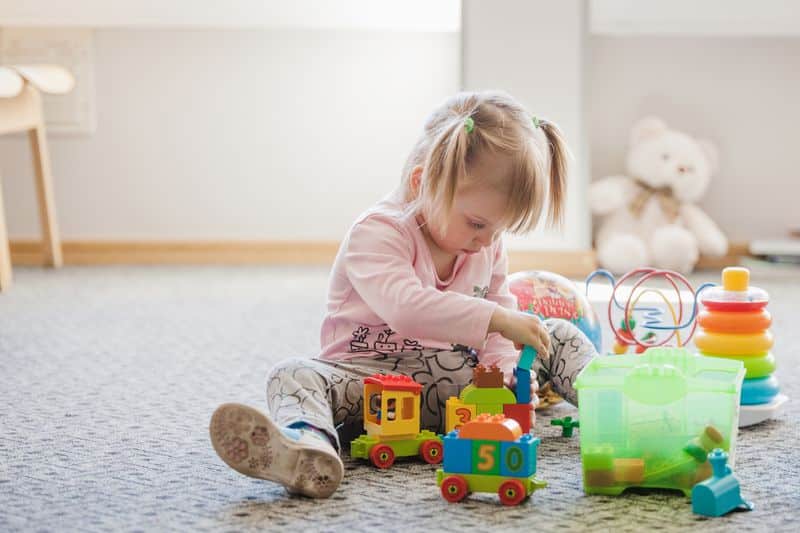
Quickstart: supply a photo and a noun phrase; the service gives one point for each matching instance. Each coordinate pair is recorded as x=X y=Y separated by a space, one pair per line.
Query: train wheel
x=431 y=451
x=511 y=492
x=382 y=456
x=454 y=488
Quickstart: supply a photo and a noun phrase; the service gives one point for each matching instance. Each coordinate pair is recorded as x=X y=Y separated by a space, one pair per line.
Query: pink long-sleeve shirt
x=386 y=297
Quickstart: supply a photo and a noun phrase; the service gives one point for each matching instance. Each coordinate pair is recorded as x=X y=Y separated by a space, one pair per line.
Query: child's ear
x=416 y=180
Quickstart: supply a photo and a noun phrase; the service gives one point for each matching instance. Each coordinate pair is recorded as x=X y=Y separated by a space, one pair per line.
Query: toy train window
x=391 y=409
x=374 y=406
x=408 y=409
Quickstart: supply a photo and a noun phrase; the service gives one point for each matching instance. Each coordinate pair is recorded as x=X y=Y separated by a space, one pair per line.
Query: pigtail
x=445 y=164
x=559 y=159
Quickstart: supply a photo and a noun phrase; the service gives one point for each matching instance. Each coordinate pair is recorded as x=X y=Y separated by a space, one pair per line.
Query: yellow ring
x=756 y=366
x=733 y=344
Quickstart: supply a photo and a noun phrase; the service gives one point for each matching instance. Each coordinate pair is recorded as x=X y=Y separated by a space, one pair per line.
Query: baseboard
x=180 y=252
x=736 y=250
x=568 y=263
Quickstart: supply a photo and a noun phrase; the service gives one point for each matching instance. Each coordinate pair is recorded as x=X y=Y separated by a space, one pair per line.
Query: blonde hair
x=451 y=144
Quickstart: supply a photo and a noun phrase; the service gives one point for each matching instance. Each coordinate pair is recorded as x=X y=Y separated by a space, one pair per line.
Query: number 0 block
x=518 y=459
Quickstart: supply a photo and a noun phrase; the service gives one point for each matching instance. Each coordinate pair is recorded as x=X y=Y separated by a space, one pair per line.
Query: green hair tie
x=469 y=124
x=537 y=123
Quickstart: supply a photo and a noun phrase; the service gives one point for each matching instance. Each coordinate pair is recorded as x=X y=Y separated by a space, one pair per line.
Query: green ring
x=756 y=366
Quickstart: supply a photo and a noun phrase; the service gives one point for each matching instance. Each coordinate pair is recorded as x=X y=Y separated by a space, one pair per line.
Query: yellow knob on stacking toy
x=735 y=279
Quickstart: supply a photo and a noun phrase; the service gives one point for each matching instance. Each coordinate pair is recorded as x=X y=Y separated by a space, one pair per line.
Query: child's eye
x=477 y=225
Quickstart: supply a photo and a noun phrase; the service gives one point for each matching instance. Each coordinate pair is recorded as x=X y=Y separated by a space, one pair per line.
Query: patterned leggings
x=328 y=394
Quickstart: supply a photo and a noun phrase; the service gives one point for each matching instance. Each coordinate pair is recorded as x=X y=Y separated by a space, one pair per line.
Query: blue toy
x=719 y=494
x=757 y=391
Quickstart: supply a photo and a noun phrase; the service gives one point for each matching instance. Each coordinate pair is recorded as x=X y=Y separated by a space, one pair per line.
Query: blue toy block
x=719 y=494
x=518 y=459
x=523 y=391
x=527 y=357
x=457 y=454
x=759 y=390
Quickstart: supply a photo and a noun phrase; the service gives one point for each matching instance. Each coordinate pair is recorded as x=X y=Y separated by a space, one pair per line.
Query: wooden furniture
x=21 y=111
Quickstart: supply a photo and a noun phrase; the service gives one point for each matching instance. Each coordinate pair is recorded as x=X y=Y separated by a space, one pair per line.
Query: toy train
x=392 y=419
x=489 y=454
x=487 y=394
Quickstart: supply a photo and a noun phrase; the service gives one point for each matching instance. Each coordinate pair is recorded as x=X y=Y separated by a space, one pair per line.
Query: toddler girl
x=419 y=288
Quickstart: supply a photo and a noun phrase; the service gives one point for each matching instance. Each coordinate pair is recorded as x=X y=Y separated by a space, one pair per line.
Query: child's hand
x=521 y=328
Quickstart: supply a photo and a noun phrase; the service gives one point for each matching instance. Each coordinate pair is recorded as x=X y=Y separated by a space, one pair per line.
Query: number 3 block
x=457 y=414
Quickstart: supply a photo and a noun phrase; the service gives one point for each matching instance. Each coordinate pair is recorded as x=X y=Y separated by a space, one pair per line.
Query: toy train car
x=489 y=454
x=392 y=419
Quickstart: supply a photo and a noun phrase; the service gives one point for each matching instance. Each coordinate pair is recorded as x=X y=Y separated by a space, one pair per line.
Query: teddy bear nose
x=682 y=169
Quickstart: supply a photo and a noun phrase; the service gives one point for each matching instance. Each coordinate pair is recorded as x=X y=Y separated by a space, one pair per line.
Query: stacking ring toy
x=734 y=344
x=734 y=321
x=757 y=366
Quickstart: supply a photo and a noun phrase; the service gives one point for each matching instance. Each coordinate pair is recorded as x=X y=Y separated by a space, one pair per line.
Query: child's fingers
x=539 y=345
x=544 y=338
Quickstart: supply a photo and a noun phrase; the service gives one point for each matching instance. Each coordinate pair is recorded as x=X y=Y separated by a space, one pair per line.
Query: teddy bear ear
x=647 y=127
x=710 y=149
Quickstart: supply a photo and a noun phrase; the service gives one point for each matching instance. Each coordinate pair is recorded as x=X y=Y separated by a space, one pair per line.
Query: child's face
x=476 y=218
x=474 y=221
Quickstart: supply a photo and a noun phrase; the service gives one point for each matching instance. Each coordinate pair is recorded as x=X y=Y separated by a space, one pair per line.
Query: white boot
x=301 y=460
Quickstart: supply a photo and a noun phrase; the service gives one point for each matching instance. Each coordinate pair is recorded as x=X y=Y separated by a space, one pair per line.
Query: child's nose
x=485 y=238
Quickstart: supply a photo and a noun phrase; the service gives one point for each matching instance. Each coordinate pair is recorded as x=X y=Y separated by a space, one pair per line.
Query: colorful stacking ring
x=734 y=321
x=734 y=306
x=761 y=390
x=734 y=344
x=757 y=366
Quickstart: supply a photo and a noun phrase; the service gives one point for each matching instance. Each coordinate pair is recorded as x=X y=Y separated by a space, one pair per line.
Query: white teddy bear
x=649 y=216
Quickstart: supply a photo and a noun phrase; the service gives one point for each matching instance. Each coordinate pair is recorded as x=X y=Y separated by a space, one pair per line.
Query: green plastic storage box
x=650 y=420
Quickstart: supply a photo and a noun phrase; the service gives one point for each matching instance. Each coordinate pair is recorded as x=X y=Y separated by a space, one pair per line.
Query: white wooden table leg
x=5 y=252
x=44 y=189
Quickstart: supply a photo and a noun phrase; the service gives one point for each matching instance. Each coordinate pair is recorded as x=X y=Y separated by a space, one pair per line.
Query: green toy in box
x=650 y=420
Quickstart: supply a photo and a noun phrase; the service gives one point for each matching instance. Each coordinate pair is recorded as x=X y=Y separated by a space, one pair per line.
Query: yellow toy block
x=458 y=413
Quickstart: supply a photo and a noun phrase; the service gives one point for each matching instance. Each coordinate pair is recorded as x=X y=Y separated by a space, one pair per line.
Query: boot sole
x=253 y=445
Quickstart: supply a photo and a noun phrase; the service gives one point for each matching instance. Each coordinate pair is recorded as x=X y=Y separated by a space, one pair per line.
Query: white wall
x=742 y=93
x=246 y=134
x=534 y=49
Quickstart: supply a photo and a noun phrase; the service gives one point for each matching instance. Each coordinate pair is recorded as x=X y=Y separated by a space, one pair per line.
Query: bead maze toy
x=489 y=454
x=487 y=395
x=719 y=494
x=649 y=420
x=657 y=332
x=391 y=419
x=734 y=324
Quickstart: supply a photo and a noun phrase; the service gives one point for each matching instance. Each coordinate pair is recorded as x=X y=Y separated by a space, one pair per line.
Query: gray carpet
x=108 y=377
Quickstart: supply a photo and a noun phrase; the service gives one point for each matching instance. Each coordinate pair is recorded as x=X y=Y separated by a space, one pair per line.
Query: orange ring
x=733 y=344
x=734 y=321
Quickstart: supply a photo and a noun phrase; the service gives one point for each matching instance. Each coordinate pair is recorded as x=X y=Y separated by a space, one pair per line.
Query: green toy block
x=489 y=408
x=484 y=483
x=473 y=395
x=486 y=457
x=360 y=447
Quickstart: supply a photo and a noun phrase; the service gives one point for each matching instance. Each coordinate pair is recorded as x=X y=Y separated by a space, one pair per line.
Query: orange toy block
x=491 y=427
